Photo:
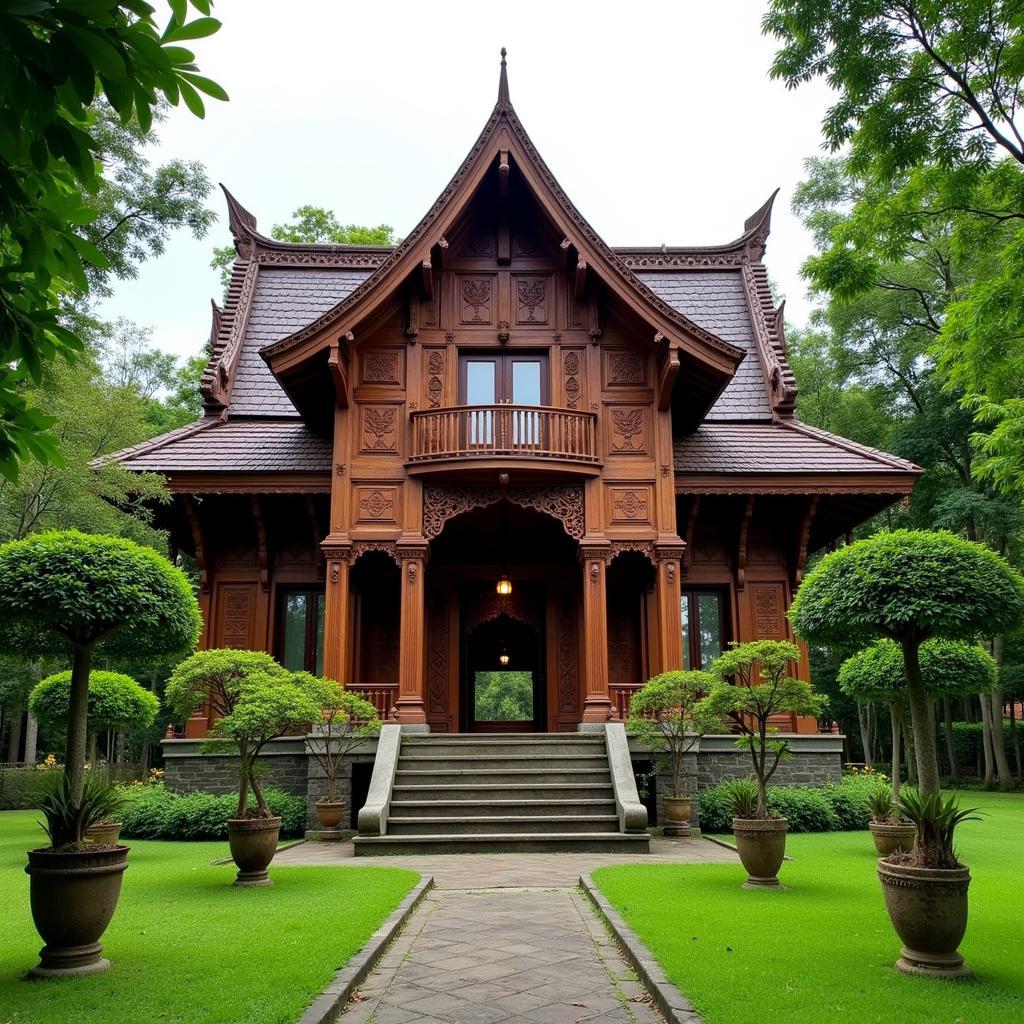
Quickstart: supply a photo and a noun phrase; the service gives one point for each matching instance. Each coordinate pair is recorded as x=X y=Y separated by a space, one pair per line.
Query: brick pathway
x=504 y=938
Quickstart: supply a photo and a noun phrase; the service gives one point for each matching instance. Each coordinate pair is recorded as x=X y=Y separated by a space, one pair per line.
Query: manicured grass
x=187 y=947
x=824 y=949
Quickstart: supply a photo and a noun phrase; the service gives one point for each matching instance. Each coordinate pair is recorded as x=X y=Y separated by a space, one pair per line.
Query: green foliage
x=22 y=787
x=936 y=817
x=61 y=63
x=879 y=803
x=505 y=696
x=155 y=812
x=670 y=713
x=949 y=667
x=64 y=588
x=311 y=225
x=908 y=584
x=255 y=699
x=968 y=740
x=761 y=688
x=834 y=807
x=116 y=701
x=68 y=817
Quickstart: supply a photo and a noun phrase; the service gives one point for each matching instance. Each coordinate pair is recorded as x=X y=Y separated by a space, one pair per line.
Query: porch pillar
x=336 y=613
x=411 y=656
x=597 y=704
x=669 y=596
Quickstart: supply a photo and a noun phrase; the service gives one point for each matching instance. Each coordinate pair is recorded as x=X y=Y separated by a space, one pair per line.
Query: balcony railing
x=502 y=431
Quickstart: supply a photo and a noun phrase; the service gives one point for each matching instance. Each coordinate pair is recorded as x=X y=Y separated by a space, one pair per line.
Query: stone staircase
x=502 y=793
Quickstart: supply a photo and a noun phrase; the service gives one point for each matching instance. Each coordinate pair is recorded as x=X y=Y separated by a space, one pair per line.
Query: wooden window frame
x=503 y=372
x=692 y=638
x=314 y=594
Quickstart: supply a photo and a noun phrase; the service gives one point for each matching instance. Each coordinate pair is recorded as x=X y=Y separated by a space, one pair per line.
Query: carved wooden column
x=337 y=621
x=411 y=656
x=596 y=702
x=668 y=594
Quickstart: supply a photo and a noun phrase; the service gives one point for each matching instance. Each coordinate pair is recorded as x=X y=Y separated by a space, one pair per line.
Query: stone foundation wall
x=187 y=768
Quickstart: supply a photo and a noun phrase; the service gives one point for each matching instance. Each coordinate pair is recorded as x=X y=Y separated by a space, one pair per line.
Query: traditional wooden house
x=503 y=457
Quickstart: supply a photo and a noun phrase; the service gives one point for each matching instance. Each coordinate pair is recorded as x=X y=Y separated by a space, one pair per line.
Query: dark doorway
x=503 y=677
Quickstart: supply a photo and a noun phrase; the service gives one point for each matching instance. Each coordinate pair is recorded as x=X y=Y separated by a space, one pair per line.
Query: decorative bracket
x=198 y=542
x=336 y=366
x=668 y=370
x=741 y=549
x=691 y=523
x=805 y=536
x=262 y=552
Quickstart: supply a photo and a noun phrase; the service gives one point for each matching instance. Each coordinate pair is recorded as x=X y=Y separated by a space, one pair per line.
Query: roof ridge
x=227 y=334
x=154 y=443
x=767 y=323
x=851 y=446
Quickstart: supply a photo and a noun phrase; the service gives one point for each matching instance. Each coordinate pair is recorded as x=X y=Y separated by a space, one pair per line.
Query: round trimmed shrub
x=116 y=701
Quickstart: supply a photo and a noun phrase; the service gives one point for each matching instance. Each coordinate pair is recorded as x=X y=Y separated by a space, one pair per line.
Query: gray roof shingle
x=286 y=299
x=715 y=300
x=724 y=448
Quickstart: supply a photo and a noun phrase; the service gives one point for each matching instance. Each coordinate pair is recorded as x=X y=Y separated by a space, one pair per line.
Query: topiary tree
x=762 y=687
x=69 y=594
x=256 y=700
x=909 y=586
x=116 y=701
x=949 y=668
x=670 y=713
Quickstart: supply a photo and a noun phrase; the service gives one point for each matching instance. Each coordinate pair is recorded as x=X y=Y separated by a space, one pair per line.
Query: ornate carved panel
x=376 y=504
x=572 y=378
x=491 y=605
x=527 y=243
x=435 y=377
x=386 y=547
x=379 y=429
x=767 y=601
x=381 y=366
x=630 y=504
x=475 y=298
x=624 y=369
x=568 y=658
x=563 y=503
x=627 y=430
x=238 y=606
x=437 y=658
x=478 y=243
x=531 y=296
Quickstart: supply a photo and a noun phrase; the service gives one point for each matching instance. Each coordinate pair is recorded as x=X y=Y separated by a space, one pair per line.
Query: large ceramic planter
x=330 y=814
x=678 y=810
x=892 y=837
x=928 y=909
x=104 y=833
x=761 y=843
x=253 y=844
x=73 y=897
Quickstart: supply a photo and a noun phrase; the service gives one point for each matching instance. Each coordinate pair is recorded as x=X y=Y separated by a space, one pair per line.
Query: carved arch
x=564 y=503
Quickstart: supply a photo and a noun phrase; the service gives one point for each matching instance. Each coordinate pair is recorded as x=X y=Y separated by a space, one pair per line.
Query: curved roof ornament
x=504 y=103
x=757 y=227
x=241 y=224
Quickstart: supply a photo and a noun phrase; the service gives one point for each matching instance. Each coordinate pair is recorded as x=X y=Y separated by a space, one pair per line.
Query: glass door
x=487 y=381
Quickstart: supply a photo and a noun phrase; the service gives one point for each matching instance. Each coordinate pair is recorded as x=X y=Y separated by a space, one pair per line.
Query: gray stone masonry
x=187 y=767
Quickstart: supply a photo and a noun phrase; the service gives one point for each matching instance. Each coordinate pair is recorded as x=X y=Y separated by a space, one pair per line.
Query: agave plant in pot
x=891 y=832
x=256 y=700
x=926 y=890
x=347 y=720
x=670 y=713
x=762 y=687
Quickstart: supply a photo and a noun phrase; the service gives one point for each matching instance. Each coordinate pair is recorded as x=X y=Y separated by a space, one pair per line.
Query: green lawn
x=823 y=950
x=185 y=945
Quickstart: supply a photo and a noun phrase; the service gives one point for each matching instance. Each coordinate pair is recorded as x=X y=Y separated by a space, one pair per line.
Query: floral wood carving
x=437 y=659
x=378 y=504
x=767 y=612
x=628 y=430
x=476 y=300
x=625 y=368
x=532 y=296
x=630 y=504
x=322 y=258
x=435 y=378
x=568 y=658
x=492 y=606
x=385 y=547
x=571 y=374
x=380 y=433
x=381 y=368
x=237 y=616
x=563 y=503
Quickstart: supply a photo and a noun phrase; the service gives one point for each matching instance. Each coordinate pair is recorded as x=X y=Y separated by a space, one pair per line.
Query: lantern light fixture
x=503 y=658
x=504 y=586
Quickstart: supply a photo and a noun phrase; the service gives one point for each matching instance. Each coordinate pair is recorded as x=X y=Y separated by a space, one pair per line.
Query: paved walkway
x=504 y=938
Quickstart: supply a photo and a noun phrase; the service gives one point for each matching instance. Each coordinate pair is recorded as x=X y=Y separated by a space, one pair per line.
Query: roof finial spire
x=503 y=101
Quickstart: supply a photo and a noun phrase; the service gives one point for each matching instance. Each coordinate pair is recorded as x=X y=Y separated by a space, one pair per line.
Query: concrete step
x=580 y=842
x=542 y=824
x=504 y=791
x=475 y=762
x=493 y=746
x=507 y=808
x=510 y=776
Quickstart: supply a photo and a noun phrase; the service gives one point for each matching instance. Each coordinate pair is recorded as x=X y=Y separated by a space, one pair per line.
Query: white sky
x=658 y=119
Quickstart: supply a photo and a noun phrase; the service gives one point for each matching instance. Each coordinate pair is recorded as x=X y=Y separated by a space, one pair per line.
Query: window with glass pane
x=702 y=619
x=302 y=631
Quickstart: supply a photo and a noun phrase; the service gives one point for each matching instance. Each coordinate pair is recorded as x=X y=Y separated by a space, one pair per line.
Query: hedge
x=967 y=742
x=155 y=812
x=833 y=807
x=21 y=787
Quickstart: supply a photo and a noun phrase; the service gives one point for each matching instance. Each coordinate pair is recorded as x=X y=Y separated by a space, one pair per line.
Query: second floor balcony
x=502 y=435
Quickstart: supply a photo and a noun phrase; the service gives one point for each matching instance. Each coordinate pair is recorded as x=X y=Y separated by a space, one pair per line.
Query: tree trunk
x=947 y=726
x=1003 y=774
x=1014 y=732
x=14 y=740
x=78 y=722
x=867 y=738
x=986 y=738
x=920 y=722
x=894 y=720
x=31 y=739
x=243 y=782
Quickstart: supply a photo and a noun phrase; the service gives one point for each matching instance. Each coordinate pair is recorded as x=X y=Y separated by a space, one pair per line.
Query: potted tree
x=68 y=594
x=926 y=890
x=762 y=687
x=346 y=720
x=116 y=701
x=910 y=586
x=949 y=668
x=670 y=713
x=256 y=700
